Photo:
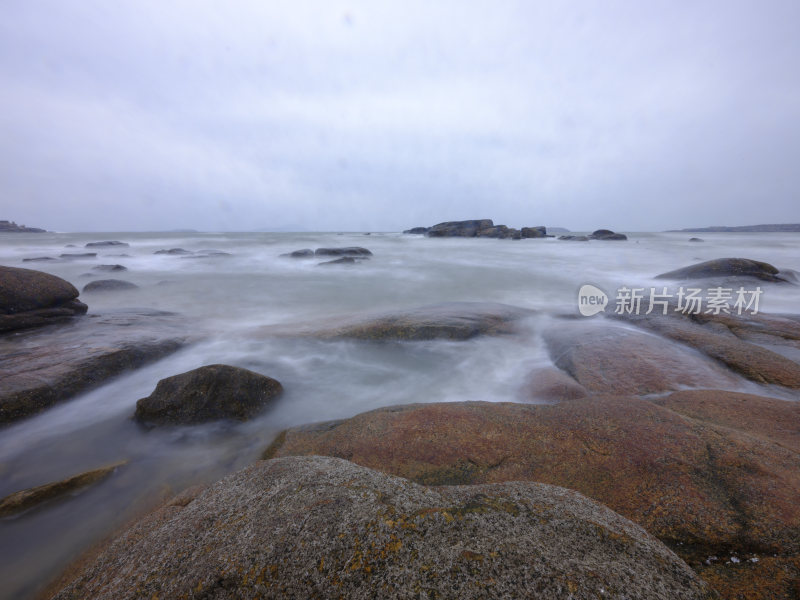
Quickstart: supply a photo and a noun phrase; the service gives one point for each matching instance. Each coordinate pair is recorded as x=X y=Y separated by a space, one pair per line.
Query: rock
x=607 y=234
x=208 y=254
x=321 y=527
x=109 y=285
x=109 y=268
x=25 y=500
x=695 y=239
x=11 y=227
x=459 y=228
x=43 y=367
x=345 y=260
x=726 y=267
x=39 y=259
x=417 y=230
x=722 y=337
x=173 y=251
x=304 y=253
x=206 y=394
x=31 y=298
x=615 y=360
x=574 y=238
x=78 y=255
x=500 y=232
x=699 y=478
x=534 y=232
x=349 y=251
x=552 y=385
x=449 y=320
x=107 y=244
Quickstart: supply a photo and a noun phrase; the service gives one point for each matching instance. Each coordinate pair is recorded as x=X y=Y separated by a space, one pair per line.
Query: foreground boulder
x=726 y=267
x=31 y=298
x=710 y=473
x=206 y=394
x=448 y=320
x=323 y=527
x=43 y=367
x=25 y=500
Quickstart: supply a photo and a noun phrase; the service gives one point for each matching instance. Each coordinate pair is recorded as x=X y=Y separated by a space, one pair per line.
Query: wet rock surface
x=449 y=320
x=25 y=500
x=605 y=358
x=552 y=385
x=31 y=298
x=709 y=472
x=324 y=527
x=209 y=393
x=43 y=367
x=726 y=267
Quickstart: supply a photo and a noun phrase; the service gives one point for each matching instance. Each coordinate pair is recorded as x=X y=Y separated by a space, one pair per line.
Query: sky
x=379 y=116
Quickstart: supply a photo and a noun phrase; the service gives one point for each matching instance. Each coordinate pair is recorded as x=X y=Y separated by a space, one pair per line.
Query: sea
x=226 y=301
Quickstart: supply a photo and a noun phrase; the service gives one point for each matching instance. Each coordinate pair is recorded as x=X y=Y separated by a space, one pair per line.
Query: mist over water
x=224 y=299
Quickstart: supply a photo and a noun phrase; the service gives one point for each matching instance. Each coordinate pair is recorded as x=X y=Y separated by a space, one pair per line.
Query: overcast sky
x=234 y=115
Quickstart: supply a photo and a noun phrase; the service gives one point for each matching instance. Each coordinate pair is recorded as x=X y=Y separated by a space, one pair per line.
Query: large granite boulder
x=318 y=527
x=43 y=367
x=726 y=267
x=449 y=320
x=31 y=298
x=710 y=473
x=209 y=393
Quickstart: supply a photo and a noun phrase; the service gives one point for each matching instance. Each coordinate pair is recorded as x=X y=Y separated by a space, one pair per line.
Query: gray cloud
x=379 y=116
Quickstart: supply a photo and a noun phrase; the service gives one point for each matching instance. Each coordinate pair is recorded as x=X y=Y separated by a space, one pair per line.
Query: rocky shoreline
x=662 y=442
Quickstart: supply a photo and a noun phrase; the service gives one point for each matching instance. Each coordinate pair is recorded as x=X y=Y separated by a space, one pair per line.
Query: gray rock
x=534 y=232
x=348 y=251
x=31 y=298
x=318 y=527
x=460 y=228
x=43 y=367
x=109 y=285
x=304 y=253
x=39 y=259
x=696 y=239
x=173 y=251
x=345 y=260
x=109 y=268
x=726 y=267
x=417 y=230
x=607 y=235
x=574 y=238
x=107 y=244
x=210 y=393
x=78 y=255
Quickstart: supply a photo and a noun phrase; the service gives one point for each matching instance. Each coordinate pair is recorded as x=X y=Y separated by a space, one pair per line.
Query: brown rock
x=31 y=298
x=552 y=385
x=605 y=358
x=322 y=527
x=700 y=483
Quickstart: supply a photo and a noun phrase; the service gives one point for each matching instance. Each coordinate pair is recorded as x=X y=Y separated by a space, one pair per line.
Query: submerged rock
x=107 y=244
x=174 y=251
x=109 y=285
x=726 y=267
x=348 y=251
x=109 y=268
x=345 y=260
x=324 y=527
x=574 y=238
x=206 y=394
x=449 y=320
x=696 y=239
x=25 y=500
x=39 y=259
x=705 y=471
x=78 y=255
x=304 y=253
x=43 y=367
x=31 y=298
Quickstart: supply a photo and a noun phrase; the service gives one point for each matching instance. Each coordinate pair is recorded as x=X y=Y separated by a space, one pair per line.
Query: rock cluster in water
x=478 y=228
x=11 y=227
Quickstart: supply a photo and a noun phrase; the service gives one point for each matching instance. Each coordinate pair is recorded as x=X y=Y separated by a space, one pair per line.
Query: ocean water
x=226 y=299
